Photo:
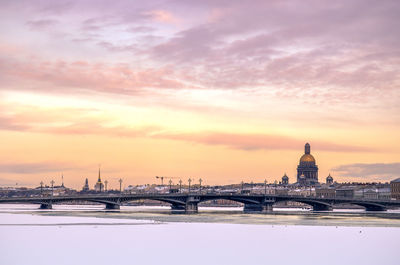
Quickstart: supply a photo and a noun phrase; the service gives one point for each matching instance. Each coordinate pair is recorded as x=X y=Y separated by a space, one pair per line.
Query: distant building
x=99 y=186
x=285 y=180
x=325 y=193
x=302 y=192
x=381 y=192
x=370 y=193
x=345 y=193
x=329 y=180
x=384 y=193
x=86 y=186
x=281 y=191
x=395 y=189
x=307 y=168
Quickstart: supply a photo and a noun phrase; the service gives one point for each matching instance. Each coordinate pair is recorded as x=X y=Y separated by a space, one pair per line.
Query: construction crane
x=162 y=179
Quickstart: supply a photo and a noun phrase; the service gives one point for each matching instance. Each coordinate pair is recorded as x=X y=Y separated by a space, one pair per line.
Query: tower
x=307 y=168
x=62 y=180
x=285 y=180
x=329 y=180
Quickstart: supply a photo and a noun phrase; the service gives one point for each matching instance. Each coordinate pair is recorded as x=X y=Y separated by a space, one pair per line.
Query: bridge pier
x=44 y=206
x=188 y=207
x=267 y=208
x=191 y=207
x=112 y=206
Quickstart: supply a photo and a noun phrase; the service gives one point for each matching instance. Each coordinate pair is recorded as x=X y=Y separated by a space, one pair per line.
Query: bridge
x=188 y=202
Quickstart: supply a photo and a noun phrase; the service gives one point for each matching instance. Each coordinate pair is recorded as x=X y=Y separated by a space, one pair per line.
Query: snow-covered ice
x=28 y=239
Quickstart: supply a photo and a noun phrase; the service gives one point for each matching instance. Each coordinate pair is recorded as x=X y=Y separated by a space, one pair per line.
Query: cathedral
x=307 y=170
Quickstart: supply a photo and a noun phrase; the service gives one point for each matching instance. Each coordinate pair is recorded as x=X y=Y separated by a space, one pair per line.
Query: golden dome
x=307 y=158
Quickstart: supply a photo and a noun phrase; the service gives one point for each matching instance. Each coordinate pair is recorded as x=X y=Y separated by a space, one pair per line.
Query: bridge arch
x=369 y=206
x=230 y=198
x=170 y=201
x=315 y=204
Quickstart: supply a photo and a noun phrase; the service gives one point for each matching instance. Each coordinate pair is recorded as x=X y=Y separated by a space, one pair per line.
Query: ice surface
x=22 y=219
x=47 y=239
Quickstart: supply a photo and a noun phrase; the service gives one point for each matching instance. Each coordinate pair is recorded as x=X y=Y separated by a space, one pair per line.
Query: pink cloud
x=41 y=24
x=369 y=171
x=37 y=167
x=332 y=53
x=84 y=75
x=162 y=16
x=257 y=141
x=79 y=122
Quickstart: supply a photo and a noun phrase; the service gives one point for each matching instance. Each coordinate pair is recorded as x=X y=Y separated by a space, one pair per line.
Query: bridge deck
x=190 y=201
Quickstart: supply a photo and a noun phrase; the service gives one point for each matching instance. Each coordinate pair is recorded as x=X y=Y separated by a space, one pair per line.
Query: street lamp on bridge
x=180 y=186
x=189 y=180
x=105 y=185
x=265 y=187
x=200 y=180
x=120 y=185
x=52 y=187
x=170 y=184
x=41 y=188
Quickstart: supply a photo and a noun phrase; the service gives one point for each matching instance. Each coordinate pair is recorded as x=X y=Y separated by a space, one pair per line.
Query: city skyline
x=187 y=89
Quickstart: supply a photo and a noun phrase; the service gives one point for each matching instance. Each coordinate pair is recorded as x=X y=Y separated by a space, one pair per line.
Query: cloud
x=335 y=57
x=67 y=121
x=42 y=121
x=292 y=50
x=76 y=76
x=257 y=141
x=36 y=167
x=94 y=128
x=41 y=24
x=389 y=170
x=162 y=16
x=339 y=52
x=10 y=124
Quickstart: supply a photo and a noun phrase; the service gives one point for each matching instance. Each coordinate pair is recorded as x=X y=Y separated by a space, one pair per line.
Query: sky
x=226 y=91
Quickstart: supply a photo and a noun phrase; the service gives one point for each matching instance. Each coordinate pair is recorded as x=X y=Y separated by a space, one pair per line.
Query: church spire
x=99 y=180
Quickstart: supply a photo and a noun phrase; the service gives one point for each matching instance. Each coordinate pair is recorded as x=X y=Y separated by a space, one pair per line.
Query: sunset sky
x=222 y=90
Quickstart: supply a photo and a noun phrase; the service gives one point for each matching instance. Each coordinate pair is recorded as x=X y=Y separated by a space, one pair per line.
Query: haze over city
x=223 y=90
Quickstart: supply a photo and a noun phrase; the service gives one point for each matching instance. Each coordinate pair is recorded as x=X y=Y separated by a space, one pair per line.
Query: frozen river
x=151 y=235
